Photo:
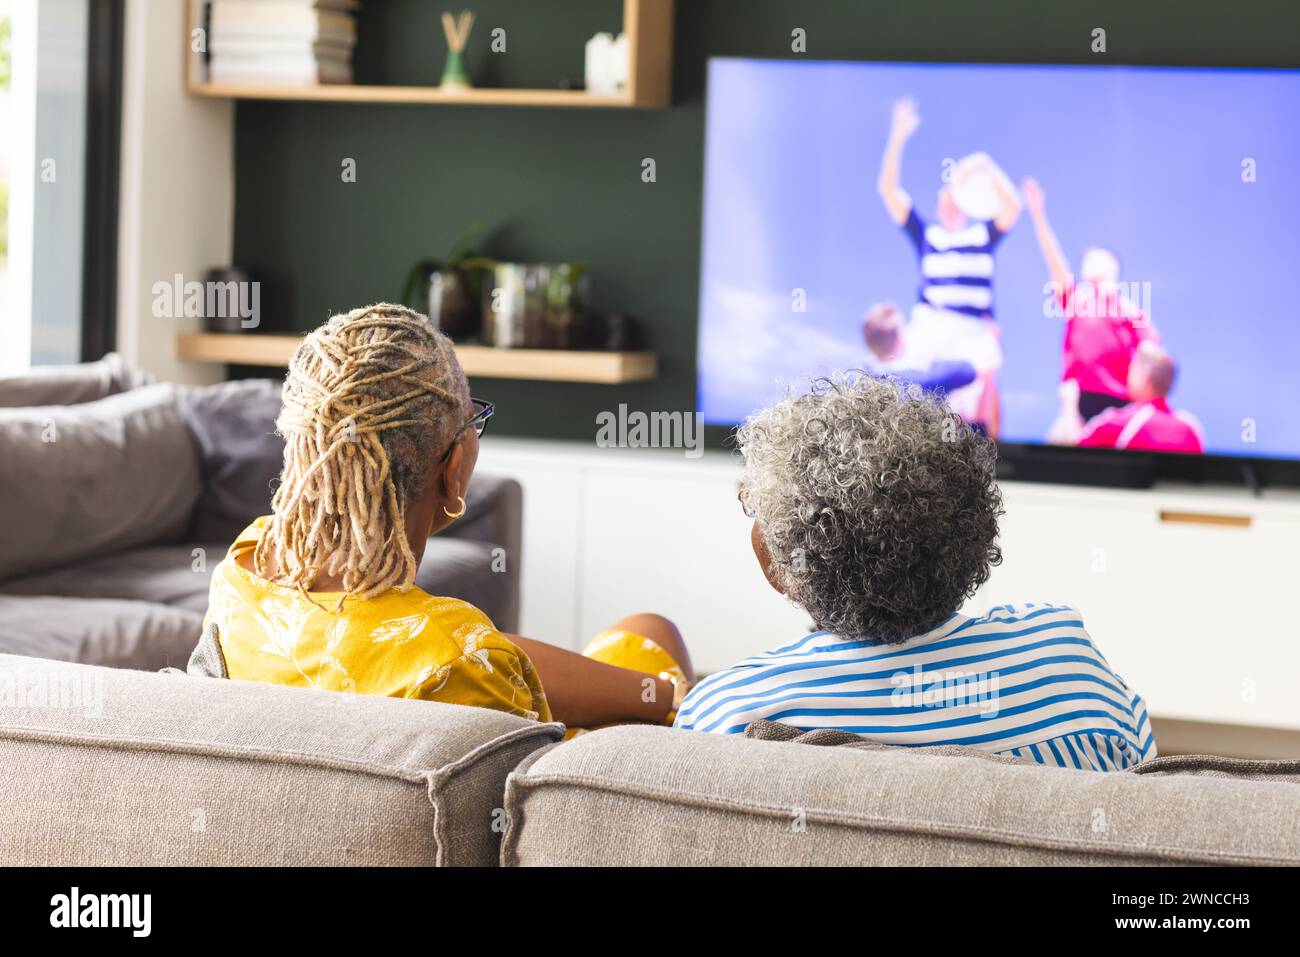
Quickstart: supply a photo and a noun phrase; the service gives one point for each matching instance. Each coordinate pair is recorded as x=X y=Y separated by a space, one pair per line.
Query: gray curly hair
x=877 y=504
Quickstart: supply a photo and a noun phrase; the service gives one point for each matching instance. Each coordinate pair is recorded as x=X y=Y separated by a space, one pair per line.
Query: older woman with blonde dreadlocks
x=381 y=440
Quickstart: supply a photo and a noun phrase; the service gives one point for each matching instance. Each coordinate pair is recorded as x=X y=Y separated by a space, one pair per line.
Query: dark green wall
x=566 y=185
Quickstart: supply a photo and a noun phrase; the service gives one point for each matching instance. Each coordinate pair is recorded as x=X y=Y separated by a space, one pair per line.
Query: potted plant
x=450 y=289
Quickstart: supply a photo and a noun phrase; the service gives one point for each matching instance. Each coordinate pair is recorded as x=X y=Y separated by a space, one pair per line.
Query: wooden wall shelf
x=647 y=23
x=547 y=365
x=339 y=93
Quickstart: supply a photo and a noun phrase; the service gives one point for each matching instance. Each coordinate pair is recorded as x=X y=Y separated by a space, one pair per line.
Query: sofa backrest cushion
x=85 y=480
x=657 y=796
x=109 y=767
x=240 y=454
x=71 y=384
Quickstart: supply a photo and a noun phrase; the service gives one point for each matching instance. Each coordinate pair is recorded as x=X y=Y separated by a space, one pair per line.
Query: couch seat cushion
x=86 y=610
x=161 y=574
x=98 y=631
x=165 y=574
x=656 y=796
x=174 y=575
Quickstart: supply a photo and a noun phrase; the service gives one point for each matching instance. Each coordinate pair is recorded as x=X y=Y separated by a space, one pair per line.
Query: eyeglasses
x=483 y=411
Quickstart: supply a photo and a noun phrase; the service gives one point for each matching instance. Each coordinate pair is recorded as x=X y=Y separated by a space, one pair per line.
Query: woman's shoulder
x=444 y=609
x=1030 y=611
x=1014 y=624
x=1040 y=624
x=463 y=623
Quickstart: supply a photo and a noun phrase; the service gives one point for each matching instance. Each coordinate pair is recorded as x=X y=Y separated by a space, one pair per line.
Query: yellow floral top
x=399 y=644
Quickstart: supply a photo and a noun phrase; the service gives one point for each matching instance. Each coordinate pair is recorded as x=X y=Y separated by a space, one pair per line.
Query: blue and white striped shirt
x=1024 y=680
x=956 y=266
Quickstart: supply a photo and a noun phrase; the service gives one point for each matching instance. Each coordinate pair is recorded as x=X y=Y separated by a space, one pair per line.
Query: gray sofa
x=118 y=497
x=117 y=767
x=121 y=767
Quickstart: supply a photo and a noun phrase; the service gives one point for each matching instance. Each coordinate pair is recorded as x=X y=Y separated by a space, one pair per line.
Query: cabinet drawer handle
x=1205 y=518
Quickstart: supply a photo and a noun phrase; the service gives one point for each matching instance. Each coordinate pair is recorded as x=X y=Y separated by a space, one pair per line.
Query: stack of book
x=281 y=42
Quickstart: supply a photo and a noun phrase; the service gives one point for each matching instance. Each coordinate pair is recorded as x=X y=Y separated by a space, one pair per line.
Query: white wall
x=177 y=188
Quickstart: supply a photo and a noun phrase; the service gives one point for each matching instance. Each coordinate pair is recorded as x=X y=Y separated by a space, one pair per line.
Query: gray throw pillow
x=207 y=660
x=81 y=481
x=764 y=730
x=240 y=454
x=1285 y=770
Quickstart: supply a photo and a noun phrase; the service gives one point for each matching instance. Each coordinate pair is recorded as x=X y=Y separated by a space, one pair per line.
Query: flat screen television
x=1081 y=257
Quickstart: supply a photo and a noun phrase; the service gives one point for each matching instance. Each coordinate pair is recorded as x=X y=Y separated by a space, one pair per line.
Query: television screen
x=1085 y=256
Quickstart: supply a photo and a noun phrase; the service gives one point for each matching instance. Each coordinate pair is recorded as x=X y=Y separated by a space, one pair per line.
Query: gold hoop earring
x=454 y=515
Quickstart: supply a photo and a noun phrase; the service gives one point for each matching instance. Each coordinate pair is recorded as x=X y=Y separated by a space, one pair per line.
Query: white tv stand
x=1186 y=590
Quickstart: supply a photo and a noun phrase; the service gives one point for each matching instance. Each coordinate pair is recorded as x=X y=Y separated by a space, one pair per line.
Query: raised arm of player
x=889 y=183
x=1057 y=265
x=1008 y=197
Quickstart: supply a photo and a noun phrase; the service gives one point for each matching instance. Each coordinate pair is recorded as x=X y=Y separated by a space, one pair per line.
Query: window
x=59 y=93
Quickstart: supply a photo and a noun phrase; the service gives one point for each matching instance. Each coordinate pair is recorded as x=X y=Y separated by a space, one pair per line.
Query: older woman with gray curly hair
x=876 y=511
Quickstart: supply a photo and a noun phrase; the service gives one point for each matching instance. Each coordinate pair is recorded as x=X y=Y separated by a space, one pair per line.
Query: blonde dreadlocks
x=369 y=399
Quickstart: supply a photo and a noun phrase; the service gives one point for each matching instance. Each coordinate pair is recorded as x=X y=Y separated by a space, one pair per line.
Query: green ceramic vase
x=454 y=76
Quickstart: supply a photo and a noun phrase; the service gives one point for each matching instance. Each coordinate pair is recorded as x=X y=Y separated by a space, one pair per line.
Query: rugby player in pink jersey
x=1103 y=328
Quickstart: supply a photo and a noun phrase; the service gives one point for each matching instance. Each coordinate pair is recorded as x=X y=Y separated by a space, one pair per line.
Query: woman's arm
x=585 y=693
